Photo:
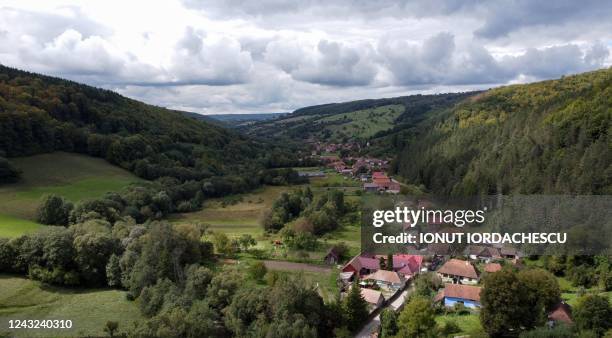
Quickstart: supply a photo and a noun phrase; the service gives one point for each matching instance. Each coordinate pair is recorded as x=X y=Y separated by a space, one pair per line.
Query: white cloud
x=277 y=55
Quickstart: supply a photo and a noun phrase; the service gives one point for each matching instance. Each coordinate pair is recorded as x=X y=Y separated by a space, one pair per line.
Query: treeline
x=547 y=137
x=166 y=268
x=163 y=266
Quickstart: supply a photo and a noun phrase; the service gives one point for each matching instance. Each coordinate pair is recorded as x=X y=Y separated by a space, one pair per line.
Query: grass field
x=364 y=123
x=73 y=176
x=469 y=324
x=236 y=215
x=89 y=309
x=13 y=227
x=333 y=179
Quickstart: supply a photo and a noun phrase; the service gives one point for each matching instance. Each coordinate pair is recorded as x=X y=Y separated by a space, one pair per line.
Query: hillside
x=355 y=120
x=40 y=114
x=546 y=137
x=76 y=177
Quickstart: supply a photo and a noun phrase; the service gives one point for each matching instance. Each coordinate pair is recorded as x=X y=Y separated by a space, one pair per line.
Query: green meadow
x=89 y=309
x=73 y=176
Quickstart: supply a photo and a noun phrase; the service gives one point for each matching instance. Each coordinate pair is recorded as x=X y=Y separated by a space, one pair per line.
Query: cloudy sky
x=240 y=56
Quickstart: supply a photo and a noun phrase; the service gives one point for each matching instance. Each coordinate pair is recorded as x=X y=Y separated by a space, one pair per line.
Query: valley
x=158 y=217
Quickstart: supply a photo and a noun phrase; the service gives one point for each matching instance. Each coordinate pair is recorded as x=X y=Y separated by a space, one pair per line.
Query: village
x=386 y=281
x=371 y=172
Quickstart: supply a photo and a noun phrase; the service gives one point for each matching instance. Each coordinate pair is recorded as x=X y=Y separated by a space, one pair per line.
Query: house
x=456 y=271
x=379 y=175
x=482 y=253
x=407 y=265
x=561 y=313
x=365 y=264
x=362 y=265
x=332 y=257
x=374 y=298
x=371 y=187
x=453 y=294
x=492 y=267
x=509 y=253
x=387 y=279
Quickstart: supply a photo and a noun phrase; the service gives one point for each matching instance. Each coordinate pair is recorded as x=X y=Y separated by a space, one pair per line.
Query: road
x=396 y=303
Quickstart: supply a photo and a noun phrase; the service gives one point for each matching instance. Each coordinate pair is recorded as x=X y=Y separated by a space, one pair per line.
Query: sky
x=260 y=56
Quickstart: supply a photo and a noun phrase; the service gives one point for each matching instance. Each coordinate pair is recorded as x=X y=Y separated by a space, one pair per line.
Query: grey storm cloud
x=498 y=18
x=503 y=17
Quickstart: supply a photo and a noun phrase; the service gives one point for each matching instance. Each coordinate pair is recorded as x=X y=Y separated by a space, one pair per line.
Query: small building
x=482 y=253
x=509 y=253
x=456 y=271
x=452 y=294
x=374 y=298
x=332 y=257
x=561 y=313
x=492 y=267
x=362 y=265
x=371 y=187
x=387 y=279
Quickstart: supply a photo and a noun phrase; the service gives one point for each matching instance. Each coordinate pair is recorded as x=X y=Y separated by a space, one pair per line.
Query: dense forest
x=546 y=137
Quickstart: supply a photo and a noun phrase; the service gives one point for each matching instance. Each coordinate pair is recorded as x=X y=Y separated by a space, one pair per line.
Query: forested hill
x=43 y=114
x=359 y=120
x=546 y=137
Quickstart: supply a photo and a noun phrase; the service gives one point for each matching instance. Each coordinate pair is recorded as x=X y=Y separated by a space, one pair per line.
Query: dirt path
x=290 y=266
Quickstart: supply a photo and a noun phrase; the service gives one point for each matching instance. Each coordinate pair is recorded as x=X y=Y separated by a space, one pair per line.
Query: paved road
x=283 y=265
x=396 y=304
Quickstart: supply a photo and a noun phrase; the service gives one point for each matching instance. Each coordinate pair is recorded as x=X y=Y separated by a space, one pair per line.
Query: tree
x=355 y=307
x=8 y=173
x=541 y=287
x=113 y=271
x=388 y=323
x=93 y=251
x=222 y=243
x=257 y=270
x=54 y=210
x=593 y=312
x=111 y=328
x=382 y=263
x=504 y=306
x=417 y=319
x=246 y=241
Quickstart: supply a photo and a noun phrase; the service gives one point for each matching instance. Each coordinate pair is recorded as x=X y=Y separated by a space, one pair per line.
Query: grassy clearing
x=14 y=227
x=333 y=179
x=73 y=176
x=469 y=324
x=88 y=309
x=236 y=215
x=363 y=123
